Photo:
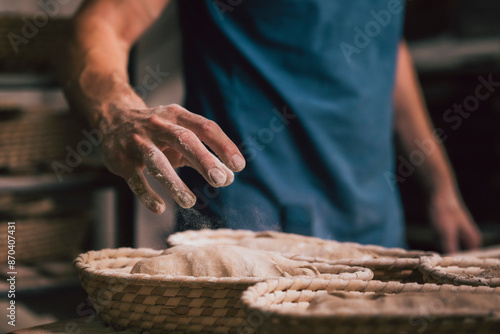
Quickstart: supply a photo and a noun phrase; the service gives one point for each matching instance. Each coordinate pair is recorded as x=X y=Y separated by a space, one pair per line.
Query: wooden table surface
x=73 y=326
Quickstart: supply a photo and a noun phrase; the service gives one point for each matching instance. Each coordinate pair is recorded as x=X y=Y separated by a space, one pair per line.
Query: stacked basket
x=32 y=140
x=43 y=230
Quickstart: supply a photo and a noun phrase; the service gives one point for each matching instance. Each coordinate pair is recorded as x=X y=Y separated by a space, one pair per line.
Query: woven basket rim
x=459 y=261
x=430 y=265
x=259 y=290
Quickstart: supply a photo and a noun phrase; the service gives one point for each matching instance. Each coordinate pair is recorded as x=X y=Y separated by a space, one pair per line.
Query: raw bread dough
x=376 y=304
x=222 y=261
x=288 y=243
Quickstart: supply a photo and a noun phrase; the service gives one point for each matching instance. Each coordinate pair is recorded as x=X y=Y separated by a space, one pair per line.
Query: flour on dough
x=222 y=261
x=288 y=243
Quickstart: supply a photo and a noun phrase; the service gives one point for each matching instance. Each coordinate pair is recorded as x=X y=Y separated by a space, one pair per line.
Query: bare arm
x=94 y=67
x=93 y=73
x=447 y=211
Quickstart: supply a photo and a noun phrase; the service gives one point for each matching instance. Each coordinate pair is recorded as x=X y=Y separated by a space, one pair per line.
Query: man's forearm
x=94 y=76
x=93 y=66
x=446 y=210
x=414 y=129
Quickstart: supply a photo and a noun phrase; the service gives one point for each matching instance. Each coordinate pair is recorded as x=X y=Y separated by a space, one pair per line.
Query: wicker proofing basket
x=48 y=237
x=389 y=263
x=460 y=270
x=279 y=306
x=161 y=304
x=32 y=141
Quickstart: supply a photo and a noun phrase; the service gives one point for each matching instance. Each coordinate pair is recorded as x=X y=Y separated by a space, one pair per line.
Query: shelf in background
x=448 y=54
x=50 y=182
x=39 y=278
x=14 y=81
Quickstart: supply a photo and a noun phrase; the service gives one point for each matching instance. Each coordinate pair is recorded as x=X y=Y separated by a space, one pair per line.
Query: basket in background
x=43 y=231
x=31 y=140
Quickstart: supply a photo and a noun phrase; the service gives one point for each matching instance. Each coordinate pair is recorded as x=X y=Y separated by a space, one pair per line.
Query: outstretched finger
x=161 y=169
x=229 y=174
x=138 y=184
x=211 y=134
x=189 y=145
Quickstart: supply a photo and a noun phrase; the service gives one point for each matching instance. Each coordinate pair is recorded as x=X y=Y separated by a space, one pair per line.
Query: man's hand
x=164 y=138
x=454 y=224
x=92 y=70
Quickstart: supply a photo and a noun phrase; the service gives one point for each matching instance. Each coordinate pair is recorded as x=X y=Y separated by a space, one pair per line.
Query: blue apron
x=304 y=88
